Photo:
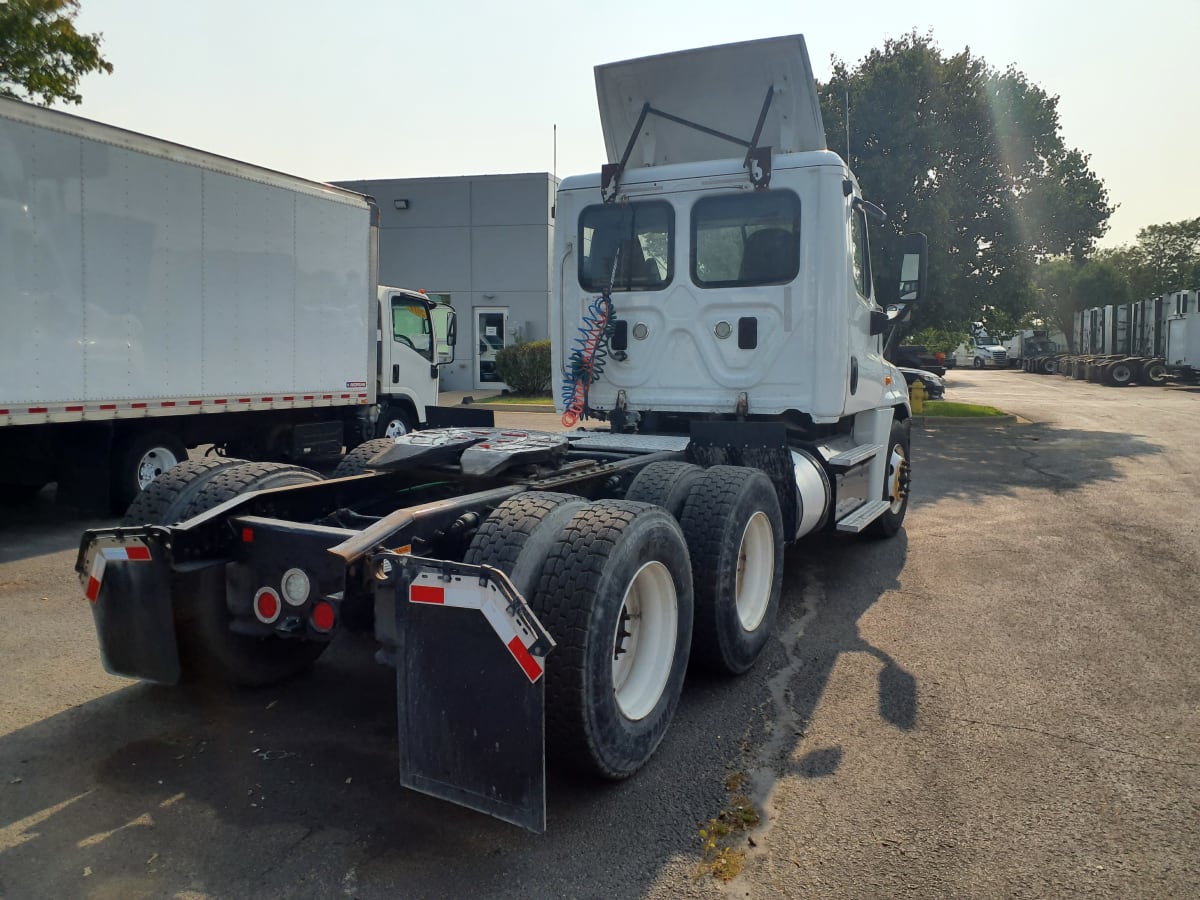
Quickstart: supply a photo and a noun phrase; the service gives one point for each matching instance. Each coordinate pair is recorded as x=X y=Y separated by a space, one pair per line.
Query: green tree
x=42 y=56
x=972 y=156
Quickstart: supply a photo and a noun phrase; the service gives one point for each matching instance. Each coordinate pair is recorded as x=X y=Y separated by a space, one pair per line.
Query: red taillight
x=323 y=616
x=267 y=605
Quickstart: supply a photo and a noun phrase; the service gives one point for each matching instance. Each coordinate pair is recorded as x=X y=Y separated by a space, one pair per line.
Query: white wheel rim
x=755 y=571
x=644 y=640
x=153 y=463
x=896 y=466
x=395 y=428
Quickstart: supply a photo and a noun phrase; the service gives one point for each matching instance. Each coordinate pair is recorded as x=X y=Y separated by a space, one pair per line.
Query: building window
x=638 y=236
x=746 y=239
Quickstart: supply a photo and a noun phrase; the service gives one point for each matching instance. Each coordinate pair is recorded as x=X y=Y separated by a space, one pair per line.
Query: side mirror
x=914 y=263
x=452 y=329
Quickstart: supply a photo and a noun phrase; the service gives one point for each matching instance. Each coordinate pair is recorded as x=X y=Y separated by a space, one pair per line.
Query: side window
x=861 y=253
x=639 y=237
x=746 y=239
x=410 y=325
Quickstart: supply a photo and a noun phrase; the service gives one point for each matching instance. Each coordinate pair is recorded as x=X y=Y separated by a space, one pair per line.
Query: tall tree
x=42 y=56
x=1064 y=286
x=975 y=158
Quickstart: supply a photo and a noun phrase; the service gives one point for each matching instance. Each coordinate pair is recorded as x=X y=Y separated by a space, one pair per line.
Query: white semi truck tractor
x=540 y=596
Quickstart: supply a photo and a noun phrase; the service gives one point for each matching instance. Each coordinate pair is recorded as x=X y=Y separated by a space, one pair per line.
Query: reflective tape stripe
x=463 y=593
x=132 y=552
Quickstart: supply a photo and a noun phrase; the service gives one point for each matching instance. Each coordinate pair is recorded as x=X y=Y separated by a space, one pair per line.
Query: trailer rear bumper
x=126 y=578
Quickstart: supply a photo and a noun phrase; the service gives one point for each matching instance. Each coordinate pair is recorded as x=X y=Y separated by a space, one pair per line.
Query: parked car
x=935 y=387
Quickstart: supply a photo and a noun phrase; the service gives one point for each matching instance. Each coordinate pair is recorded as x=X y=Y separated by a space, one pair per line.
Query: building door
x=491 y=328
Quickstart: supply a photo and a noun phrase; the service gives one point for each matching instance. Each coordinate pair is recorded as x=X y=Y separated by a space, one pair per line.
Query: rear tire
x=665 y=484
x=358 y=460
x=615 y=593
x=163 y=502
x=734 y=532
x=251 y=476
x=1119 y=374
x=519 y=533
x=1154 y=372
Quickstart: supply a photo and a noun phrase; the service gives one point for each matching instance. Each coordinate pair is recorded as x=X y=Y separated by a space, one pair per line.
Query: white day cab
x=158 y=298
x=541 y=595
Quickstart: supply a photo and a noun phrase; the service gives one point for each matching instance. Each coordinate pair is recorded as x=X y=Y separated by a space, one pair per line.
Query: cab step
x=863 y=516
x=855 y=455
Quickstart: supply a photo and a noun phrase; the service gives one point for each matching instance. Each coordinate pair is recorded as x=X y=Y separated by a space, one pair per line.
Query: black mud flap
x=470 y=658
x=127 y=580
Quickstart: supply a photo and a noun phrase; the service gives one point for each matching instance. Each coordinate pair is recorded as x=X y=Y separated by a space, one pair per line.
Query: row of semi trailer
x=1155 y=341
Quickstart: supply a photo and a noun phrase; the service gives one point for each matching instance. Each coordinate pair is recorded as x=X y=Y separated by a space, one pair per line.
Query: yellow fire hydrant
x=916 y=396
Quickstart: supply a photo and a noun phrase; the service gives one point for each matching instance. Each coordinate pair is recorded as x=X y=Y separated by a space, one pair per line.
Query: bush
x=525 y=367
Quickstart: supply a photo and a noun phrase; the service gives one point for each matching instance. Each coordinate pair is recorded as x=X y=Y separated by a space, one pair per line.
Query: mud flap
x=126 y=579
x=469 y=658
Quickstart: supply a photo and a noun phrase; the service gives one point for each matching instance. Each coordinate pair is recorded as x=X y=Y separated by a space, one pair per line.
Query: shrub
x=525 y=367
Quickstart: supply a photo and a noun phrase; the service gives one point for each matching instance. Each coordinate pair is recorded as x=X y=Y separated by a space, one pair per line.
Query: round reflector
x=295 y=586
x=323 y=616
x=266 y=605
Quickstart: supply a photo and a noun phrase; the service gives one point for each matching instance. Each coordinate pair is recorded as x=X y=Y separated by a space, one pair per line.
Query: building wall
x=484 y=239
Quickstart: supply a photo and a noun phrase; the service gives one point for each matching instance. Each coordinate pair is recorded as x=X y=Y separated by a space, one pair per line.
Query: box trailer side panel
x=151 y=279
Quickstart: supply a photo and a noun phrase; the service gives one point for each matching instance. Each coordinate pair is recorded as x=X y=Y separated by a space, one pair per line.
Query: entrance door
x=491 y=327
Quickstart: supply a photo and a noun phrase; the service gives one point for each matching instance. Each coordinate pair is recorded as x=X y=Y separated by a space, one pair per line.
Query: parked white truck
x=544 y=593
x=981 y=351
x=157 y=297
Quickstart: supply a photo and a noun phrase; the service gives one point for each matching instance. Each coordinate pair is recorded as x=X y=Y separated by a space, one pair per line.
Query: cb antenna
x=847 y=126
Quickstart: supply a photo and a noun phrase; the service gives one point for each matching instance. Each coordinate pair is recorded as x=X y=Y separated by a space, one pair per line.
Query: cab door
x=408 y=362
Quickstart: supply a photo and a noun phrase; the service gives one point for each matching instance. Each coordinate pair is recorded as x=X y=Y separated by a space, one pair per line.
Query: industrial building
x=482 y=242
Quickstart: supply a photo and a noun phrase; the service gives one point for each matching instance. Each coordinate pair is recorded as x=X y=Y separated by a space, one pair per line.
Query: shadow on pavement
x=149 y=791
x=993 y=462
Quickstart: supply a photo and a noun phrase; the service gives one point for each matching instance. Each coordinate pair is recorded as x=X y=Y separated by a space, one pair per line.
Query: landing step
x=863 y=516
x=855 y=455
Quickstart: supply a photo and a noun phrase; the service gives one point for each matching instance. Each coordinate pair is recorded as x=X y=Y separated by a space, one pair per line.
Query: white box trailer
x=157 y=297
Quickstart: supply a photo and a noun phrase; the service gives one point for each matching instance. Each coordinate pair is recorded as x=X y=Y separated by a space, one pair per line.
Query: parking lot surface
x=999 y=702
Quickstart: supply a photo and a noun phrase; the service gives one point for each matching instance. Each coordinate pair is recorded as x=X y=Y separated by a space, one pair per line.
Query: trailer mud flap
x=127 y=583
x=470 y=658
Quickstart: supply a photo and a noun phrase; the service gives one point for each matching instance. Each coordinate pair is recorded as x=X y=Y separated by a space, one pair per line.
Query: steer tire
x=895 y=483
x=163 y=502
x=395 y=421
x=602 y=719
x=518 y=535
x=665 y=484
x=359 y=459
x=734 y=532
x=138 y=456
x=250 y=476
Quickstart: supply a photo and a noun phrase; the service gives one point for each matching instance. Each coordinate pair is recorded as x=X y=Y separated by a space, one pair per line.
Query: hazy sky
x=376 y=89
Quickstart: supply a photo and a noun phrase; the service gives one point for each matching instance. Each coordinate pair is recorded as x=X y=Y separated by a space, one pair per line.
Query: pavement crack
x=1075 y=740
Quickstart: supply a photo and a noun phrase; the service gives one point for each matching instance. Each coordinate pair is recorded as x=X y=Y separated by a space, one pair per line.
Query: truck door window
x=643 y=233
x=410 y=325
x=861 y=253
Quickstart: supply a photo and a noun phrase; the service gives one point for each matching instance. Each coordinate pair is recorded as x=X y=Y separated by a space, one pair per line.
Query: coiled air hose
x=589 y=354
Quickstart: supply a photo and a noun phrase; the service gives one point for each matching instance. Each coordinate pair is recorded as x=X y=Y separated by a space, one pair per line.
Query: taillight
x=323 y=616
x=296 y=587
x=267 y=605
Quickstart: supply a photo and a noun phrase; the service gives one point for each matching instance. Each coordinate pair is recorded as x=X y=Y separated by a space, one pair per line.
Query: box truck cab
x=416 y=337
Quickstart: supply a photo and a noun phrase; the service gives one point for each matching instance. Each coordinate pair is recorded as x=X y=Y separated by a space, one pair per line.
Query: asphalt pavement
x=1001 y=701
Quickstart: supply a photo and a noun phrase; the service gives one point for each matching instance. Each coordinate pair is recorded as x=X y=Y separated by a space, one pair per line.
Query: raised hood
x=721 y=88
